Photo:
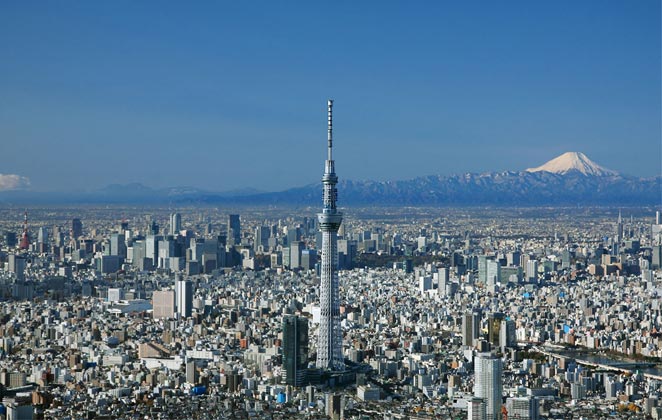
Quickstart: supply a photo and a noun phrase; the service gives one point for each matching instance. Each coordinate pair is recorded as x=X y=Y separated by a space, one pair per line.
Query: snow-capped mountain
x=573 y=161
x=570 y=179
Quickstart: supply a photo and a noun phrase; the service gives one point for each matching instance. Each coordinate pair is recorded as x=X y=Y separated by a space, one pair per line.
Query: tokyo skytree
x=329 y=344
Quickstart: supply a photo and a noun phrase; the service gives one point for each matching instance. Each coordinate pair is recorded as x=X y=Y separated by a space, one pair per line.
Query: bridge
x=621 y=367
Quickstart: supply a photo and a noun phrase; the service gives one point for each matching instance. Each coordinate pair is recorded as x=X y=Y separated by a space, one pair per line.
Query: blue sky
x=226 y=95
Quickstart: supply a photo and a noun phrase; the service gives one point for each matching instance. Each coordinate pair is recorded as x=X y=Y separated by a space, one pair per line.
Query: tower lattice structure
x=329 y=344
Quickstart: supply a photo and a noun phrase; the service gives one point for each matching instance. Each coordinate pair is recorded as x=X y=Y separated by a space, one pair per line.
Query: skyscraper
x=42 y=235
x=152 y=248
x=471 y=327
x=493 y=273
x=656 y=261
x=234 y=229
x=329 y=344
x=175 y=223
x=261 y=240
x=10 y=239
x=532 y=271
x=494 y=321
x=295 y=254
x=619 y=228
x=184 y=298
x=525 y=408
x=507 y=335
x=163 y=302
x=154 y=228
x=476 y=409
x=76 y=228
x=117 y=245
x=334 y=408
x=487 y=383
x=295 y=349
x=17 y=266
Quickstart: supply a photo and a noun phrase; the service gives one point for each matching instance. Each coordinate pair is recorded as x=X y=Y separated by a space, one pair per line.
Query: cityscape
x=219 y=275
x=382 y=313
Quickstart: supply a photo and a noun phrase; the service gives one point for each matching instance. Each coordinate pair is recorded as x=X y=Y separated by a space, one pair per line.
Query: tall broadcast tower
x=25 y=238
x=329 y=344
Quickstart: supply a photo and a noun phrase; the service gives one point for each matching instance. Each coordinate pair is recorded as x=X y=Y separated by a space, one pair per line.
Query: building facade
x=295 y=350
x=488 y=386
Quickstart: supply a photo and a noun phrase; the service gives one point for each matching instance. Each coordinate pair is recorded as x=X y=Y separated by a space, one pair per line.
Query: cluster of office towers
x=75 y=232
x=179 y=250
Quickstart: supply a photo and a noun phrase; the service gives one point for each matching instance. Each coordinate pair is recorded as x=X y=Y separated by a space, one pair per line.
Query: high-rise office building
x=467 y=330
x=471 y=327
x=295 y=254
x=152 y=248
x=329 y=344
x=487 y=383
x=17 y=266
x=138 y=258
x=656 y=260
x=191 y=372
x=10 y=239
x=507 y=335
x=184 y=298
x=154 y=228
x=21 y=411
x=166 y=250
x=175 y=223
x=443 y=277
x=117 y=245
x=532 y=271
x=58 y=236
x=493 y=273
x=308 y=259
x=482 y=268
x=293 y=234
x=295 y=349
x=42 y=235
x=525 y=408
x=234 y=229
x=76 y=228
x=494 y=321
x=347 y=251
x=514 y=258
x=476 y=409
x=334 y=408
x=261 y=239
x=163 y=302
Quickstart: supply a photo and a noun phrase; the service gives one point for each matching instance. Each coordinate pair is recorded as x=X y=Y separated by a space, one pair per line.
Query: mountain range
x=569 y=179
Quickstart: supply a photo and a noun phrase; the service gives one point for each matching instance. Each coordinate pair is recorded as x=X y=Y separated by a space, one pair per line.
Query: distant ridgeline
x=503 y=188
x=570 y=179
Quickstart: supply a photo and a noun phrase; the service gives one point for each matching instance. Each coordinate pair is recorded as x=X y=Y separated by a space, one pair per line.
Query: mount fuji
x=573 y=161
